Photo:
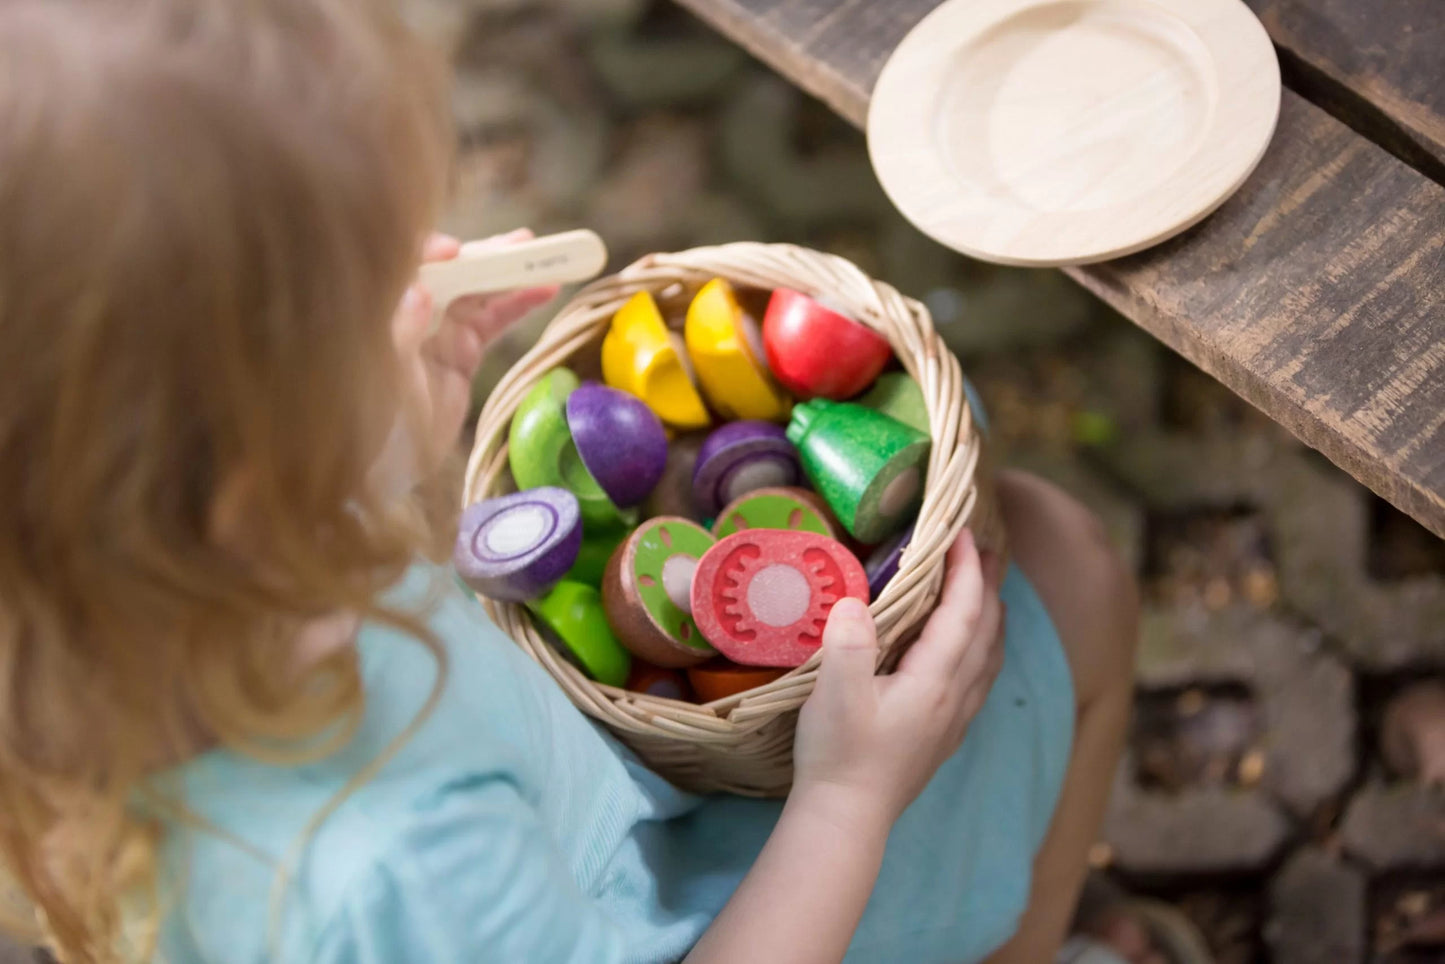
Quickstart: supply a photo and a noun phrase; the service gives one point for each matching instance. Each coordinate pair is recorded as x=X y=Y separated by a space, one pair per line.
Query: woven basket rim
x=951 y=486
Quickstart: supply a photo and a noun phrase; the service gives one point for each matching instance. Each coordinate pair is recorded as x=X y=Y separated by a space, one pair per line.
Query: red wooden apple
x=762 y=596
x=814 y=351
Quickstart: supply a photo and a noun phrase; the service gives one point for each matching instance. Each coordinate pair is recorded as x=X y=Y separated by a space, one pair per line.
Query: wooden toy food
x=813 y=351
x=573 y=613
x=540 y=450
x=647 y=591
x=669 y=684
x=739 y=457
x=673 y=494
x=620 y=440
x=726 y=350
x=640 y=355
x=882 y=564
x=741 y=741
x=592 y=557
x=762 y=596
x=776 y=508
x=514 y=547
x=868 y=467
x=897 y=395
x=718 y=679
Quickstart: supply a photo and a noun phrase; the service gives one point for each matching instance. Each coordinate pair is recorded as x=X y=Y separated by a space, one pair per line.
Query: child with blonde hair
x=244 y=720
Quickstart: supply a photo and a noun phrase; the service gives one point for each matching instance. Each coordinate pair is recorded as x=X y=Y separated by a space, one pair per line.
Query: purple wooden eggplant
x=882 y=563
x=620 y=440
x=740 y=457
x=515 y=547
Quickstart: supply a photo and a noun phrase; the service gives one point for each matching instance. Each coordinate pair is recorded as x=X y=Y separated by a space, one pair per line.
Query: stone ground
x=1285 y=604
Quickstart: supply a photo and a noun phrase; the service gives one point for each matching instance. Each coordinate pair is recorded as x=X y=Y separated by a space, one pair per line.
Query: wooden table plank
x=1379 y=64
x=1317 y=292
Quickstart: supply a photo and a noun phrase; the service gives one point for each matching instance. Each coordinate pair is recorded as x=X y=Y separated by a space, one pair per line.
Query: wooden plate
x=1053 y=132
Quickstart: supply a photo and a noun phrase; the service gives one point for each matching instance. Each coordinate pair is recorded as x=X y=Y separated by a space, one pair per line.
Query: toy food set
x=868 y=467
x=813 y=351
x=574 y=615
x=882 y=563
x=640 y=355
x=776 y=508
x=740 y=457
x=898 y=396
x=762 y=596
x=658 y=681
x=647 y=591
x=516 y=547
x=719 y=679
x=726 y=349
x=752 y=452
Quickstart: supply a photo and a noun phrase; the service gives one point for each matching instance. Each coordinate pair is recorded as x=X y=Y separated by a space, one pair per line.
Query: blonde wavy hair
x=208 y=210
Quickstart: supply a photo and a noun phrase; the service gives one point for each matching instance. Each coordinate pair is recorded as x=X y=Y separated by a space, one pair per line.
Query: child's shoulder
x=397 y=795
x=359 y=863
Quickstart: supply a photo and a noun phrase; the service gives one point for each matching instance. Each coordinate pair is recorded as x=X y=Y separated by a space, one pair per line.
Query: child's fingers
x=950 y=629
x=850 y=653
x=411 y=324
x=491 y=315
x=507 y=306
x=982 y=640
x=456 y=347
x=471 y=325
x=440 y=247
x=987 y=628
x=963 y=546
x=498 y=240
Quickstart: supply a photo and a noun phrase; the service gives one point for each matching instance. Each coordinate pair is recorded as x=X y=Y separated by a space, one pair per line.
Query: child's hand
x=869 y=744
x=442 y=364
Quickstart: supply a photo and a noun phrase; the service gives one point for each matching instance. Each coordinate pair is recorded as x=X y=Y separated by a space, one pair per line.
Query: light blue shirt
x=511 y=829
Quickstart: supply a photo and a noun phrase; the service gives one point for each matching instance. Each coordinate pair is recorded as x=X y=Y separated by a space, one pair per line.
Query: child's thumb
x=850 y=650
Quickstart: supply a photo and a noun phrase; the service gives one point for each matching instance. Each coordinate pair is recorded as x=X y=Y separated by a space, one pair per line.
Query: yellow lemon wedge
x=727 y=360
x=641 y=356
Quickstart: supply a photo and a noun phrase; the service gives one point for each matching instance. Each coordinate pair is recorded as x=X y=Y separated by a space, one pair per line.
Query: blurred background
x=1286 y=606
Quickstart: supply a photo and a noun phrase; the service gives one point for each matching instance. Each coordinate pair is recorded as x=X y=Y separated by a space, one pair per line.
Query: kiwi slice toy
x=780 y=507
x=647 y=592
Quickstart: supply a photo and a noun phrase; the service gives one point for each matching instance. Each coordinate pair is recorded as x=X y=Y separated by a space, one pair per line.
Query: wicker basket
x=744 y=744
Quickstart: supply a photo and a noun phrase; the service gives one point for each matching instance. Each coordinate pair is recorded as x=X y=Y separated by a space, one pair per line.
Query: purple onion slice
x=740 y=457
x=515 y=547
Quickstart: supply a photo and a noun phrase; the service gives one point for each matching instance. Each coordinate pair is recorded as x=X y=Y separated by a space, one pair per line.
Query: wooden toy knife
x=482 y=268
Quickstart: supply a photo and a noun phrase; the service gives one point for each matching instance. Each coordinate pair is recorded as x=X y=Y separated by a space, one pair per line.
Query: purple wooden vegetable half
x=882 y=563
x=740 y=457
x=620 y=440
x=514 y=547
